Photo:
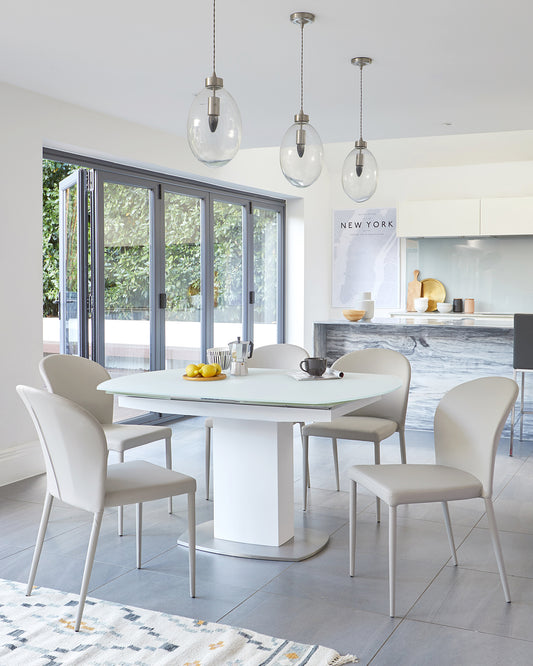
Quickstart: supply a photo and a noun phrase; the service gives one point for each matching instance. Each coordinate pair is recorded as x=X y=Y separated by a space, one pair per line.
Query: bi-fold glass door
x=158 y=272
x=74 y=258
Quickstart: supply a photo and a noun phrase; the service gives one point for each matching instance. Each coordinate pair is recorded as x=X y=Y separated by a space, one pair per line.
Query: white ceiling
x=440 y=66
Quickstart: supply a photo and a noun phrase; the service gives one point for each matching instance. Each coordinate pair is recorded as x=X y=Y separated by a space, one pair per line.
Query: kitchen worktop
x=429 y=319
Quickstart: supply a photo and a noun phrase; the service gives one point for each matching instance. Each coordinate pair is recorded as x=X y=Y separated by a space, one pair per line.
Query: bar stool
x=522 y=363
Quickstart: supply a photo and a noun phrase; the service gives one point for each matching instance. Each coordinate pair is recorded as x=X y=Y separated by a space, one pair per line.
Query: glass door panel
x=266 y=283
x=183 y=279
x=126 y=277
x=228 y=272
x=73 y=264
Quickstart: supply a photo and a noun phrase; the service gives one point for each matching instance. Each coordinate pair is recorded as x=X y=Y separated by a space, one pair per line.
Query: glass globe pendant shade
x=360 y=175
x=300 y=155
x=214 y=140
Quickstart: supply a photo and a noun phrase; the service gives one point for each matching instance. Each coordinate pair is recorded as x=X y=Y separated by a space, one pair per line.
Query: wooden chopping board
x=414 y=290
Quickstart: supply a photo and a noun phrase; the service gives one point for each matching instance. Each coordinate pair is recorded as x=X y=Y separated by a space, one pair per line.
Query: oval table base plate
x=305 y=543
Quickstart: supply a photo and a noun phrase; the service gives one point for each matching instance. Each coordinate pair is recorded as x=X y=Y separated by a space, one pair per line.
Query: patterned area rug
x=39 y=630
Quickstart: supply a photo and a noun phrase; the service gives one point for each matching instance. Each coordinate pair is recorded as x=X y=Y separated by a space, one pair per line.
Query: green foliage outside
x=127 y=253
x=53 y=173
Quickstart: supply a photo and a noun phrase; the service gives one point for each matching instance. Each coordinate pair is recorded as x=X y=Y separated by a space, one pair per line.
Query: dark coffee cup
x=457 y=304
x=314 y=366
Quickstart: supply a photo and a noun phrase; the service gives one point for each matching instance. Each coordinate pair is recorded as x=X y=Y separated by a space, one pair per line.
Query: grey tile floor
x=446 y=614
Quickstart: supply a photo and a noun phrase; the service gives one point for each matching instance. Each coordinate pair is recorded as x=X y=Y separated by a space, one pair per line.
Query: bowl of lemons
x=203 y=372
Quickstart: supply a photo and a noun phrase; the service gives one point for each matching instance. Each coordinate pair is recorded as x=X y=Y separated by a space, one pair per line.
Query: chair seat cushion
x=139 y=481
x=411 y=484
x=121 y=437
x=362 y=428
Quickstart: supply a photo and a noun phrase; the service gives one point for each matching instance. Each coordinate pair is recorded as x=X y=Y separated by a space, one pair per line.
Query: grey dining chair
x=279 y=356
x=75 y=452
x=372 y=423
x=468 y=424
x=76 y=378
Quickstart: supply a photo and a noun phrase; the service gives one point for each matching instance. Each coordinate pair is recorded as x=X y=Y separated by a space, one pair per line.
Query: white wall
x=455 y=167
x=31 y=121
x=477 y=165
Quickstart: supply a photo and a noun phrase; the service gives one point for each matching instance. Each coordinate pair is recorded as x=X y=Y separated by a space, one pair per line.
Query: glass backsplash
x=495 y=271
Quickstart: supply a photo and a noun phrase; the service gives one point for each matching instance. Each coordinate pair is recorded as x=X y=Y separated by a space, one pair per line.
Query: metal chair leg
x=449 y=532
x=377 y=461
x=139 y=532
x=497 y=548
x=392 y=559
x=305 y=468
x=522 y=406
x=40 y=540
x=91 y=550
x=336 y=461
x=401 y=435
x=513 y=419
x=168 y=456
x=353 y=519
x=207 y=460
x=120 y=509
x=192 y=543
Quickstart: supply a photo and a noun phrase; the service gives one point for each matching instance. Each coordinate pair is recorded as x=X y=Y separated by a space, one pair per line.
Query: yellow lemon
x=200 y=365
x=191 y=370
x=219 y=369
x=208 y=370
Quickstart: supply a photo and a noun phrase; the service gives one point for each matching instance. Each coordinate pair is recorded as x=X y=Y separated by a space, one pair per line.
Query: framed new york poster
x=366 y=257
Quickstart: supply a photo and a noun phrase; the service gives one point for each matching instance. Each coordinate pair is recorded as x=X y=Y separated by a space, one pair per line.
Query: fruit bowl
x=354 y=315
x=215 y=378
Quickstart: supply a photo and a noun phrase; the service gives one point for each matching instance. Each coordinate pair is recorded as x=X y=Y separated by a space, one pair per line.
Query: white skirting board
x=20 y=462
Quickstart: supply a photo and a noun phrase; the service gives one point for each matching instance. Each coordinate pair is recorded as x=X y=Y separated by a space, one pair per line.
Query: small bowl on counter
x=444 y=307
x=354 y=315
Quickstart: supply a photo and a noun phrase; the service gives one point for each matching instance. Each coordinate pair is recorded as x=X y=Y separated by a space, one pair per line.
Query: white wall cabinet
x=507 y=216
x=447 y=217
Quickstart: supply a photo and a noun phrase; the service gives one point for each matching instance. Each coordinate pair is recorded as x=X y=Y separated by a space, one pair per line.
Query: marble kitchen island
x=443 y=352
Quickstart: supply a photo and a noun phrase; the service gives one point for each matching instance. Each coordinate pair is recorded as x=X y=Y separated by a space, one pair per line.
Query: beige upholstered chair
x=76 y=378
x=282 y=356
x=75 y=452
x=468 y=424
x=373 y=423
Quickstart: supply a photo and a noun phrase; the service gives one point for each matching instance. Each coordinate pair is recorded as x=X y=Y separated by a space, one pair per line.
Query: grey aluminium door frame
x=79 y=179
x=206 y=263
x=100 y=177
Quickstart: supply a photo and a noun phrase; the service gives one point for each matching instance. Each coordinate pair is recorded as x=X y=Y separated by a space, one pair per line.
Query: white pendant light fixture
x=301 y=151
x=214 y=123
x=360 y=169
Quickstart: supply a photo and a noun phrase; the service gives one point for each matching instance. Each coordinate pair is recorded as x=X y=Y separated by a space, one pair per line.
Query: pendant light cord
x=361 y=102
x=302 y=68
x=214 y=34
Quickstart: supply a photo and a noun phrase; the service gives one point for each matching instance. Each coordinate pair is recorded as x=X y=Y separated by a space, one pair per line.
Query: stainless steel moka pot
x=240 y=352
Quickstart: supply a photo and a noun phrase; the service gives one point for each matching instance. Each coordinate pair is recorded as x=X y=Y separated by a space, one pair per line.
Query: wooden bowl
x=354 y=315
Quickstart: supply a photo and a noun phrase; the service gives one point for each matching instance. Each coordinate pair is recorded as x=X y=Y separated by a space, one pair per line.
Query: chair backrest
x=468 y=424
x=523 y=342
x=73 y=445
x=283 y=356
x=392 y=406
x=76 y=378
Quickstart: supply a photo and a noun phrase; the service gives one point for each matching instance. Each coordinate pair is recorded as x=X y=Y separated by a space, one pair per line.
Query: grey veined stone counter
x=442 y=353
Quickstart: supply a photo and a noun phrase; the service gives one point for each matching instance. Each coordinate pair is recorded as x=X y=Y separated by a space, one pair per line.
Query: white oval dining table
x=253 y=447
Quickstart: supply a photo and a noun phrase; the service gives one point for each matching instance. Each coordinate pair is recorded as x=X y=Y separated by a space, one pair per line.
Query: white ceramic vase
x=363 y=301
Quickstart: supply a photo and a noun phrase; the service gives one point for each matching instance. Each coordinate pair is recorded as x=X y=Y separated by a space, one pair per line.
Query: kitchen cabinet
x=507 y=216
x=443 y=218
